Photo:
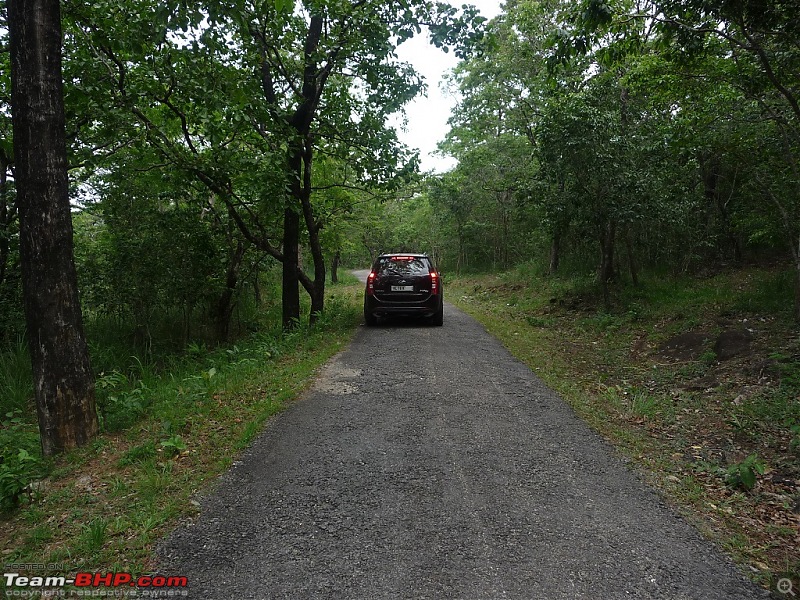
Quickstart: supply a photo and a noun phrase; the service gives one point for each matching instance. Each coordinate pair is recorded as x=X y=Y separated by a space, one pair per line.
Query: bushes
x=166 y=382
x=20 y=458
x=16 y=379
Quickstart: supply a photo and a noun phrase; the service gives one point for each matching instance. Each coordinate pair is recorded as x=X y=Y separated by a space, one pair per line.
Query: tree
x=262 y=87
x=334 y=97
x=11 y=317
x=63 y=380
x=756 y=46
x=505 y=92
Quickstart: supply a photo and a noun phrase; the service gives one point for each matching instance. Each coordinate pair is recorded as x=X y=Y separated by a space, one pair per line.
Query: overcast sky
x=427 y=116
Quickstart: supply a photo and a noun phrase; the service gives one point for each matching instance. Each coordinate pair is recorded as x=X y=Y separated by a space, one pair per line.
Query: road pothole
x=338 y=379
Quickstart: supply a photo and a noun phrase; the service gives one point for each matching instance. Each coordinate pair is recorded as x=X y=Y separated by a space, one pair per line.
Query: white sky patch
x=427 y=116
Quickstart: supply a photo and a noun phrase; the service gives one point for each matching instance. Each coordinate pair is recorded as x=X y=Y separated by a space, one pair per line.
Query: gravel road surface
x=427 y=462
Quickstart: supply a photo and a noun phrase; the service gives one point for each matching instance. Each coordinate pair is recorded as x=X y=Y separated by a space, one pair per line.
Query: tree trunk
x=555 y=252
x=633 y=266
x=187 y=322
x=797 y=291
x=6 y=217
x=460 y=258
x=300 y=179
x=335 y=267
x=63 y=380
x=257 y=287
x=317 y=290
x=505 y=255
x=224 y=308
x=317 y=296
x=606 y=274
x=290 y=287
x=794 y=247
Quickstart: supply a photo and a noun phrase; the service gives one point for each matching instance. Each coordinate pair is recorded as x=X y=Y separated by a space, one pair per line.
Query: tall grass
x=171 y=423
x=16 y=380
x=166 y=382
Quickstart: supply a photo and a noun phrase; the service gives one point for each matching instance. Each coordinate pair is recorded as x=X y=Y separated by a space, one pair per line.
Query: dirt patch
x=733 y=343
x=338 y=380
x=685 y=346
x=690 y=345
x=639 y=347
x=702 y=384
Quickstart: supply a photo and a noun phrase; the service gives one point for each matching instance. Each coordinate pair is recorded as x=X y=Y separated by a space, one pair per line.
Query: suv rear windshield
x=403 y=265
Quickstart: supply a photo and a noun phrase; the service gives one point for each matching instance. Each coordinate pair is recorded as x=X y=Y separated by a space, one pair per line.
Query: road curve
x=427 y=462
x=361 y=275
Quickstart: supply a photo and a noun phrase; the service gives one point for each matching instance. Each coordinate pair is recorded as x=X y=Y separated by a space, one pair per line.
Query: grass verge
x=102 y=507
x=696 y=380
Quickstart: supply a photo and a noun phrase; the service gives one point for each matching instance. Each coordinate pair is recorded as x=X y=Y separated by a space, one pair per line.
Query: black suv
x=405 y=285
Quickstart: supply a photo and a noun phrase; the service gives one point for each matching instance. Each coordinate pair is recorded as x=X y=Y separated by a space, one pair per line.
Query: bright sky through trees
x=427 y=116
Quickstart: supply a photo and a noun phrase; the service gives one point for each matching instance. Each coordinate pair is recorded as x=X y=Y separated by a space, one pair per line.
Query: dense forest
x=224 y=159
x=189 y=153
x=620 y=136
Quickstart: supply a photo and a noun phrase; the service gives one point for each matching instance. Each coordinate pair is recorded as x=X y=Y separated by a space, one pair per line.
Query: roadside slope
x=429 y=463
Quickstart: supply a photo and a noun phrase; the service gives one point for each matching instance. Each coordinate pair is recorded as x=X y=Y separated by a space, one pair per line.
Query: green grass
x=170 y=426
x=16 y=379
x=93 y=536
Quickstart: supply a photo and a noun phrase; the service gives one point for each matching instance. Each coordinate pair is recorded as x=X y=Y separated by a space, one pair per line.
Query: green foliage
x=211 y=121
x=20 y=461
x=638 y=403
x=773 y=293
x=12 y=319
x=795 y=442
x=139 y=454
x=743 y=475
x=16 y=472
x=16 y=379
x=152 y=484
x=708 y=357
x=173 y=446
x=120 y=401
x=148 y=256
x=94 y=536
x=659 y=158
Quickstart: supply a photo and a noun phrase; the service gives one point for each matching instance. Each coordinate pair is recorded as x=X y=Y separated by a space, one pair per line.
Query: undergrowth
x=170 y=422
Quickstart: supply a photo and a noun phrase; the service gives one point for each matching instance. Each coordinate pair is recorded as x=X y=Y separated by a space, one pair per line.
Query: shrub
x=743 y=474
x=19 y=460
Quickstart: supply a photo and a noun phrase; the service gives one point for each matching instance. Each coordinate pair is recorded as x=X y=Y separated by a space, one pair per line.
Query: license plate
x=402 y=288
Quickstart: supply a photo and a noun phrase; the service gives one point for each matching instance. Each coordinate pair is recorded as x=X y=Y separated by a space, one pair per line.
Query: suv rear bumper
x=377 y=308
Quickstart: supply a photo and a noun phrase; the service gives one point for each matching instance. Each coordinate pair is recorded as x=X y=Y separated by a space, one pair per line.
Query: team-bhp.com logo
x=90 y=584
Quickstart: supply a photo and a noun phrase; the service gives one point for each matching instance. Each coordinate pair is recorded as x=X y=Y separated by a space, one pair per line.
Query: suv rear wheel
x=438 y=318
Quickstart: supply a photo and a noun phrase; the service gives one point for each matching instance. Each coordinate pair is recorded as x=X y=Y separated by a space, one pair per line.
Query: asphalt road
x=427 y=462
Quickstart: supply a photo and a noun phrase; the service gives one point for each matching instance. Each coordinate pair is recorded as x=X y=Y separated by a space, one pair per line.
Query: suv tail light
x=434 y=283
x=371 y=284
